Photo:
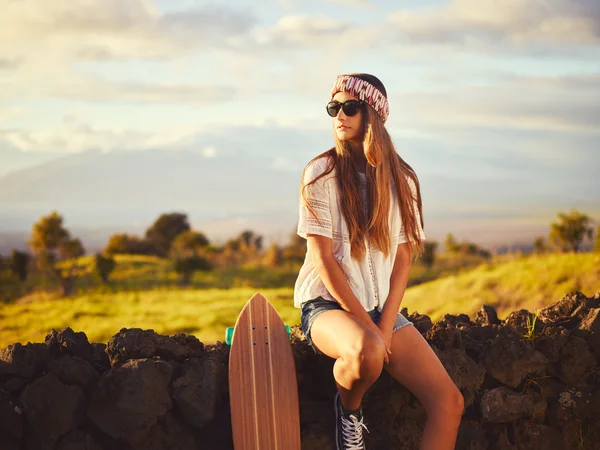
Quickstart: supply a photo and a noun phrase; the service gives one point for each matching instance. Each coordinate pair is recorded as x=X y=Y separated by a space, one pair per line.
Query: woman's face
x=347 y=128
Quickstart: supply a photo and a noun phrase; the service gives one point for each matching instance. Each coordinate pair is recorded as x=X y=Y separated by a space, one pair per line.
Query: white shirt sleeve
x=318 y=197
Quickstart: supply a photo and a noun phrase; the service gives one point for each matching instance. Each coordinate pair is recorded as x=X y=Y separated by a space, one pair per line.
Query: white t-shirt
x=369 y=278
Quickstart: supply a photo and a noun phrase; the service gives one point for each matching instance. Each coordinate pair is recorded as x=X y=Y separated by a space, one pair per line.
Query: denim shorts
x=312 y=308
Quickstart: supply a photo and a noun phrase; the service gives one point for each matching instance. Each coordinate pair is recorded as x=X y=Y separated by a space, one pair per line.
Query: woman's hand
x=387 y=340
x=387 y=333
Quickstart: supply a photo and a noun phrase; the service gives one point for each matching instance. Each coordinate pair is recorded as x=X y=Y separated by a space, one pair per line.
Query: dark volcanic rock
x=477 y=340
x=535 y=436
x=471 y=436
x=170 y=434
x=458 y=321
x=73 y=370
x=589 y=328
x=52 y=409
x=99 y=358
x=11 y=417
x=78 y=440
x=197 y=391
x=68 y=342
x=524 y=322
x=23 y=361
x=567 y=306
x=421 y=322
x=15 y=385
x=466 y=373
x=569 y=355
x=504 y=405
x=130 y=399
x=134 y=343
x=445 y=336
x=487 y=316
x=510 y=357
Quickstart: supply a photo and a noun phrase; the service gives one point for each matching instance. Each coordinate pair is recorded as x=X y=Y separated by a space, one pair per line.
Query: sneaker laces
x=352 y=432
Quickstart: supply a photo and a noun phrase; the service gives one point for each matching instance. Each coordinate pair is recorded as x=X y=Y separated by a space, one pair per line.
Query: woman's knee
x=448 y=404
x=365 y=355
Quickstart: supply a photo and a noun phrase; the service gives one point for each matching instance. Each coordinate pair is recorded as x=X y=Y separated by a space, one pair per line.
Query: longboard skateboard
x=263 y=390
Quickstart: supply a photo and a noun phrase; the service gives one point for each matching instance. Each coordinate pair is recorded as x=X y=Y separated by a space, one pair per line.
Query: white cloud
x=209 y=152
x=74 y=135
x=526 y=103
x=300 y=29
x=285 y=164
x=96 y=89
x=513 y=23
x=49 y=35
x=72 y=139
x=11 y=112
x=304 y=31
x=210 y=139
x=353 y=2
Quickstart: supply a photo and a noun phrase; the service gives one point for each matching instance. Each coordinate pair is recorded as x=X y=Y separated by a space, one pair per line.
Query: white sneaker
x=349 y=429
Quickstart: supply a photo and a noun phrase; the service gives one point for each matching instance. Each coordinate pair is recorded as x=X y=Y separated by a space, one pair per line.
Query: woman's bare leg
x=358 y=353
x=414 y=364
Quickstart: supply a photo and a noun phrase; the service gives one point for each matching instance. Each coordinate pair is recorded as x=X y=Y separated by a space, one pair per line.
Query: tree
x=539 y=245
x=274 y=256
x=244 y=248
x=122 y=243
x=103 y=266
x=428 y=256
x=186 y=267
x=164 y=230
x=451 y=244
x=250 y=240
x=597 y=243
x=52 y=244
x=19 y=263
x=295 y=250
x=188 y=243
x=570 y=230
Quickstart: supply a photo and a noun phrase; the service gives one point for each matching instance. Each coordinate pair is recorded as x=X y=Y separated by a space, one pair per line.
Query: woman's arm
x=398 y=282
x=321 y=249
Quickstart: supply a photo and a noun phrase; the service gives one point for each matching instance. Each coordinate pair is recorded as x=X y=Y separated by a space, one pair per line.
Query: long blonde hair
x=385 y=169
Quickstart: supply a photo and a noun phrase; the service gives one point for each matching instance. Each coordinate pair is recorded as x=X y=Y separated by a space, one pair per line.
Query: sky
x=496 y=105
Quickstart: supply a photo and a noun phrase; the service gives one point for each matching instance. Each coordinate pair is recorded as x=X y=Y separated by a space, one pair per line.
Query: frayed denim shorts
x=312 y=308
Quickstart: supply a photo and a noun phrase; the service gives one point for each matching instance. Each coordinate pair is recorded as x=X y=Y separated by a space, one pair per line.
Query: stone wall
x=526 y=384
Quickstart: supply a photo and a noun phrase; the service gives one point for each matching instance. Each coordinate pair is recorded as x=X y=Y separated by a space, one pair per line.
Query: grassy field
x=138 y=272
x=144 y=294
x=527 y=282
x=204 y=313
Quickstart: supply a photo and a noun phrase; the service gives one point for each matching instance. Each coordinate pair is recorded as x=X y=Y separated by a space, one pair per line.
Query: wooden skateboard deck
x=263 y=389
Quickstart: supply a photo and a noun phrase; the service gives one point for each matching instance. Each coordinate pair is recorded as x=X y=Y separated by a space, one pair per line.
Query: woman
x=360 y=211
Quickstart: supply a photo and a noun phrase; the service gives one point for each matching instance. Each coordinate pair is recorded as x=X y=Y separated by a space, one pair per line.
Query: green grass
x=528 y=282
x=141 y=273
x=203 y=313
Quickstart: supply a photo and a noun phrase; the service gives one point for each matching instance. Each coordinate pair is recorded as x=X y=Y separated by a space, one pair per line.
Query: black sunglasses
x=350 y=107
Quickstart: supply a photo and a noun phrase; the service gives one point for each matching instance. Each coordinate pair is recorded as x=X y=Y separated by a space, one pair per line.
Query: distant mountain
x=12 y=159
x=101 y=193
x=224 y=184
x=224 y=192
